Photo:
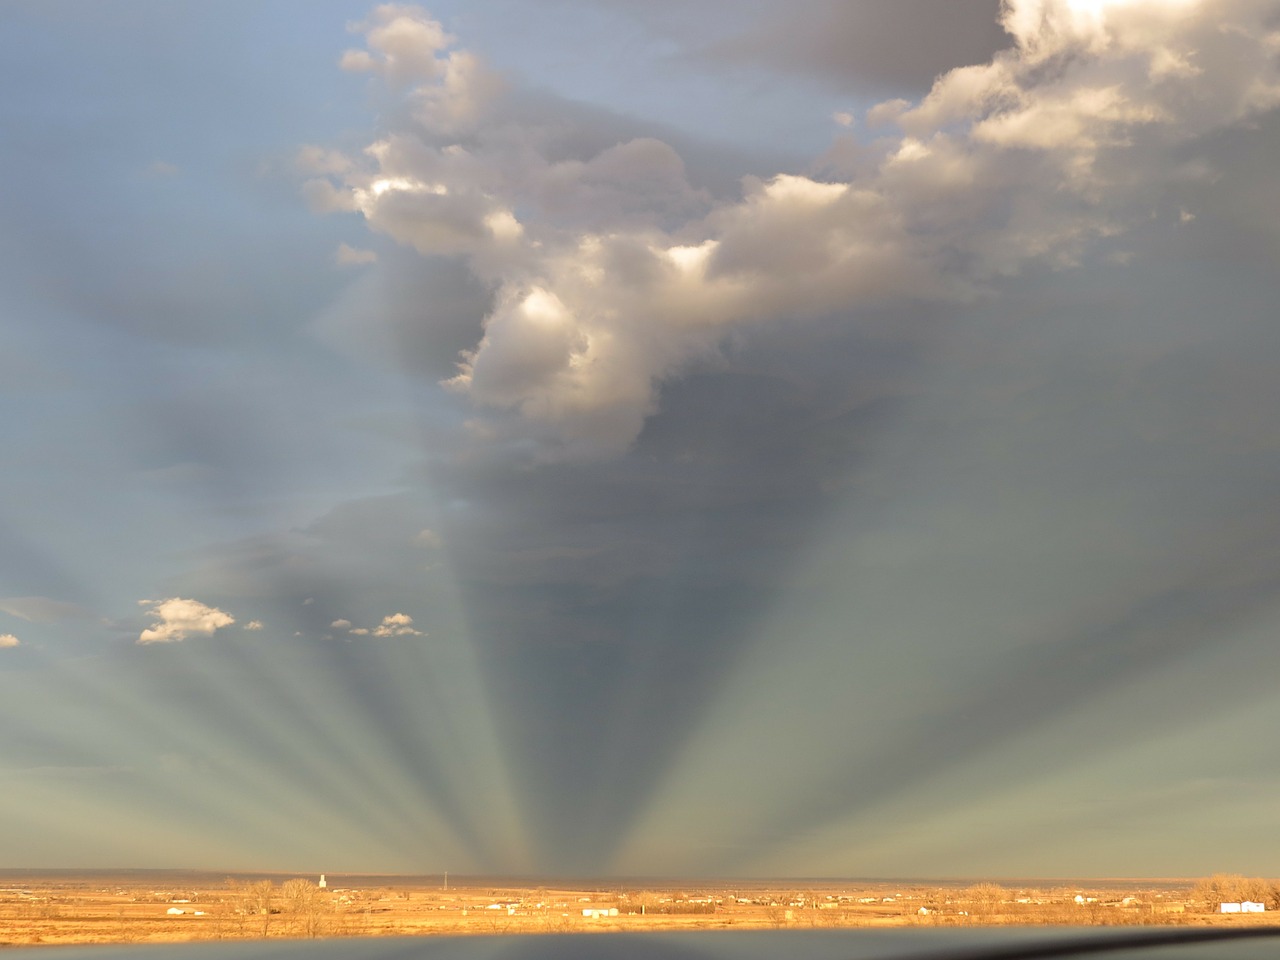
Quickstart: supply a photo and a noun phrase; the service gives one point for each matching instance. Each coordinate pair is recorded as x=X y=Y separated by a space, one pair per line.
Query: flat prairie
x=62 y=907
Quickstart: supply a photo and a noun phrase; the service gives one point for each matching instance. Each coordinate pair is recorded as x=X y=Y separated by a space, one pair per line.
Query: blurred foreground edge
x=1006 y=943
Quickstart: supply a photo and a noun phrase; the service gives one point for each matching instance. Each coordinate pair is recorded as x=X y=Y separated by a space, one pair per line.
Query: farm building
x=1245 y=906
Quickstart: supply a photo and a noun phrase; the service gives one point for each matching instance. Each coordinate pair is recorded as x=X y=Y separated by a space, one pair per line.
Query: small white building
x=1244 y=906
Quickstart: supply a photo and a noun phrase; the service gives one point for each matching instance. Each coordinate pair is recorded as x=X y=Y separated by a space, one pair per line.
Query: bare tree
x=258 y=898
x=1232 y=888
x=306 y=905
x=985 y=898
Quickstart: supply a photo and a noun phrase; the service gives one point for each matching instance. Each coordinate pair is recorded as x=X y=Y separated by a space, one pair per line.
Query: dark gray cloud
x=863 y=46
x=409 y=314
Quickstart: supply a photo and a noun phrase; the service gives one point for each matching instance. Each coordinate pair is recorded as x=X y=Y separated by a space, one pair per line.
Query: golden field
x=164 y=906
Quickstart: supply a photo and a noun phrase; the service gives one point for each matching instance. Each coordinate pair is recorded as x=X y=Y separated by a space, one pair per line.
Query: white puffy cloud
x=178 y=618
x=253 y=625
x=429 y=539
x=9 y=640
x=340 y=624
x=396 y=625
x=404 y=46
x=1077 y=131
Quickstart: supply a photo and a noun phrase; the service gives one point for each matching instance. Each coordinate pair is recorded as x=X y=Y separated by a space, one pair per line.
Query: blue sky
x=709 y=439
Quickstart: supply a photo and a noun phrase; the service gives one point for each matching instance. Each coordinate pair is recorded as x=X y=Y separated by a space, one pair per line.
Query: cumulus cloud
x=9 y=640
x=1075 y=133
x=392 y=625
x=404 y=46
x=178 y=618
x=253 y=625
x=396 y=625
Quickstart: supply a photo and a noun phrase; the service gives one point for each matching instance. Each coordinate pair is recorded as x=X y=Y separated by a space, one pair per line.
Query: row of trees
x=1233 y=888
x=296 y=908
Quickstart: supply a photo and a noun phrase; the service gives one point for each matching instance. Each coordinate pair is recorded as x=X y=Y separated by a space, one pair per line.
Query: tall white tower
x=323 y=884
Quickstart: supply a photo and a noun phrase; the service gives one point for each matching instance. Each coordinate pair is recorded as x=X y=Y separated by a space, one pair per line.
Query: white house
x=1245 y=906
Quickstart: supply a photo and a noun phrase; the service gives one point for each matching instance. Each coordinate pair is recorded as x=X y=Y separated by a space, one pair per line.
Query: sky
x=833 y=438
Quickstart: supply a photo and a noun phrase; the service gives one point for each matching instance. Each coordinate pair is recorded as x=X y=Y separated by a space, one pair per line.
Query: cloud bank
x=1070 y=136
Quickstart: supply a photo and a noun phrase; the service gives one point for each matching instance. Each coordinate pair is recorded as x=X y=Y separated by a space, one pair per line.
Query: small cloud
x=309 y=601
x=360 y=631
x=429 y=538
x=884 y=114
x=340 y=625
x=163 y=168
x=8 y=640
x=843 y=117
x=396 y=625
x=1186 y=216
x=356 y=61
x=253 y=625
x=178 y=618
x=349 y=256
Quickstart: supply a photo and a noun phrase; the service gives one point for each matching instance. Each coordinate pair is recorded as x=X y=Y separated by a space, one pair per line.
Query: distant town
x=60 y=907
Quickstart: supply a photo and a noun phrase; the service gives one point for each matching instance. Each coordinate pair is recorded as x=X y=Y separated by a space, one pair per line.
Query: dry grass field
x=161 y=906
